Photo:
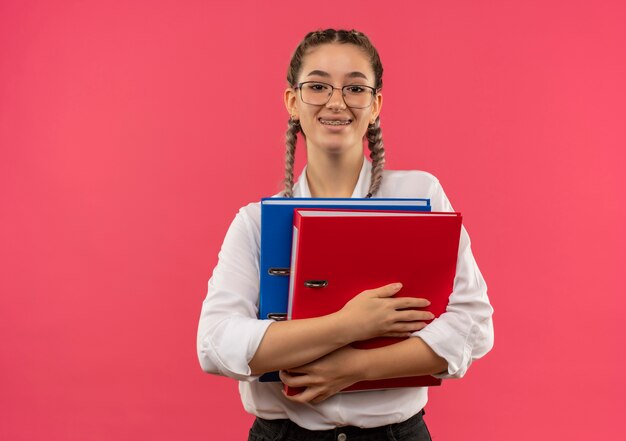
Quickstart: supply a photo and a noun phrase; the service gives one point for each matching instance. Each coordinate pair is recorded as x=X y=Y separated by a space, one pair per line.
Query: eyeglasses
x=355 y=96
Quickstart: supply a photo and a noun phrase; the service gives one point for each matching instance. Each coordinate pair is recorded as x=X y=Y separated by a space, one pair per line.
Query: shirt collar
x=301 y=187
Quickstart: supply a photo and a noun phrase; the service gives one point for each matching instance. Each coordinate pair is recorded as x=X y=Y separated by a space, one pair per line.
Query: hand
x=326 y=376
x=375 y=313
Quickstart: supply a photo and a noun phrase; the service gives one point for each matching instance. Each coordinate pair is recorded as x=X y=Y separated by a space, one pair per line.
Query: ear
x=377 y=105
x=291 y=99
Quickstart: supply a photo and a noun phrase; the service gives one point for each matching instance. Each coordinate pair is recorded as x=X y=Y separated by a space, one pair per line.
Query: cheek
x=306 y=126
x=362 y=126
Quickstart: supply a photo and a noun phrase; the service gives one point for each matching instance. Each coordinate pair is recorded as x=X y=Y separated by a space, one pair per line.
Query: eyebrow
x=321 y=73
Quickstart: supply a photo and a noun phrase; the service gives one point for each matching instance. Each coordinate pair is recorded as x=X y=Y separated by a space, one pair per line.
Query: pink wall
x=132 y=131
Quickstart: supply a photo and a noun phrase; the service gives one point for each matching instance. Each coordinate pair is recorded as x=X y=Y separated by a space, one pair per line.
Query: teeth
x=334 y=122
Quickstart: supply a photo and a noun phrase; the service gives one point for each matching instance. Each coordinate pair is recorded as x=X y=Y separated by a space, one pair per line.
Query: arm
x=445 y=348
x=370 y=314
x=464 y=333
x=346 y=366
x=451 y=342
x=228 y=331
x=233 y=342
x=411 y=357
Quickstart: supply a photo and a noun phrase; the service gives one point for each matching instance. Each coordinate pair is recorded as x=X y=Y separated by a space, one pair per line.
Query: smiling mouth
x=334 y=122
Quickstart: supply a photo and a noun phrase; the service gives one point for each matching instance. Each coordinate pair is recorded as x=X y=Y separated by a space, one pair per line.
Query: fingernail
x=397 y=286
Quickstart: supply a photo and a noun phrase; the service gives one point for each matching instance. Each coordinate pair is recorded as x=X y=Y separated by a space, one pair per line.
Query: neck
x=333 y=176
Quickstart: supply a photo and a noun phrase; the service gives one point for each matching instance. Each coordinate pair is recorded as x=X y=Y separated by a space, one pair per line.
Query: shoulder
x=251 y=212
x=250 y=215
x=414 y=184
x=249 y=219
x=409 y=183
x=244 y=232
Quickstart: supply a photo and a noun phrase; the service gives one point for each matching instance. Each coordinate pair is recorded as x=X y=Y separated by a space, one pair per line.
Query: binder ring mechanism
x=278 y=271
x=316 y=284
x=278 y=316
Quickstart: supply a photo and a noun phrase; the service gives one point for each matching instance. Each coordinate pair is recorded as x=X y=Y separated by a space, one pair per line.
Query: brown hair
x=374 y=133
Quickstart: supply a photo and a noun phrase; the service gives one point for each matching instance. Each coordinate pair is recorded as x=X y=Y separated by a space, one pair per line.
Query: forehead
x=338 y=60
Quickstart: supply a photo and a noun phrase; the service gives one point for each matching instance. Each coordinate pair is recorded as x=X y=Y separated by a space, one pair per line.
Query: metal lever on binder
x=278 y=271
x=316 y=283
x=278 y=316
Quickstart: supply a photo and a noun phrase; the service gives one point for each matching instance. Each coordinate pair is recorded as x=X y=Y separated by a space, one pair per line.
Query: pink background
x=132 y=131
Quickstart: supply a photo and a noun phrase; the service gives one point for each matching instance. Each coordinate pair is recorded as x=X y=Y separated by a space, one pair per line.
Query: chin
x=334 y=147
x=339 y=149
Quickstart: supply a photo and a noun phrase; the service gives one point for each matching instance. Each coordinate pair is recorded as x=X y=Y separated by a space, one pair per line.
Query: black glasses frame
x=332 y=89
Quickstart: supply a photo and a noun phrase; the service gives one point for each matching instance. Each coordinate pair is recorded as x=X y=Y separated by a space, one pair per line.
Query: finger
x=284 y=376
x=397 y=334
x=309 y=394
x=297 y=380
x=387 y=290
x=412 y=315
x=407 y=327
x=410 y=302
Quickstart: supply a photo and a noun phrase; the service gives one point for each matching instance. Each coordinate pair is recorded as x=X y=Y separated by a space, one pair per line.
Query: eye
x=317 y=87
x=356 y=89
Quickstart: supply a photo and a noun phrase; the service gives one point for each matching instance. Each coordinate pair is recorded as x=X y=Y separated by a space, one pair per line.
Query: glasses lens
x=357 y=96
x=318 y=94
x=315 y=93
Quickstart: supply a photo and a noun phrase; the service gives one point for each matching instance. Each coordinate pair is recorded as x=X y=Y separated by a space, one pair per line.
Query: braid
x=377 y=154
x=291 y=138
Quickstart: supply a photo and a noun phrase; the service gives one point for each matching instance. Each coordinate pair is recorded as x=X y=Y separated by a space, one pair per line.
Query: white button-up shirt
x=229 y=331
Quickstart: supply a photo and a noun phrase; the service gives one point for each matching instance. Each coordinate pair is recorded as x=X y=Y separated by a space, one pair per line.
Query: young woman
x=334 y=100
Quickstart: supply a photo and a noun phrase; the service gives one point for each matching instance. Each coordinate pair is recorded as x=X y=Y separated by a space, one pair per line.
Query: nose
x=336 y=100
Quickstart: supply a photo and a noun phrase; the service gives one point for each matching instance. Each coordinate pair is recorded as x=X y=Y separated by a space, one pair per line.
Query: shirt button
x=342 y=437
